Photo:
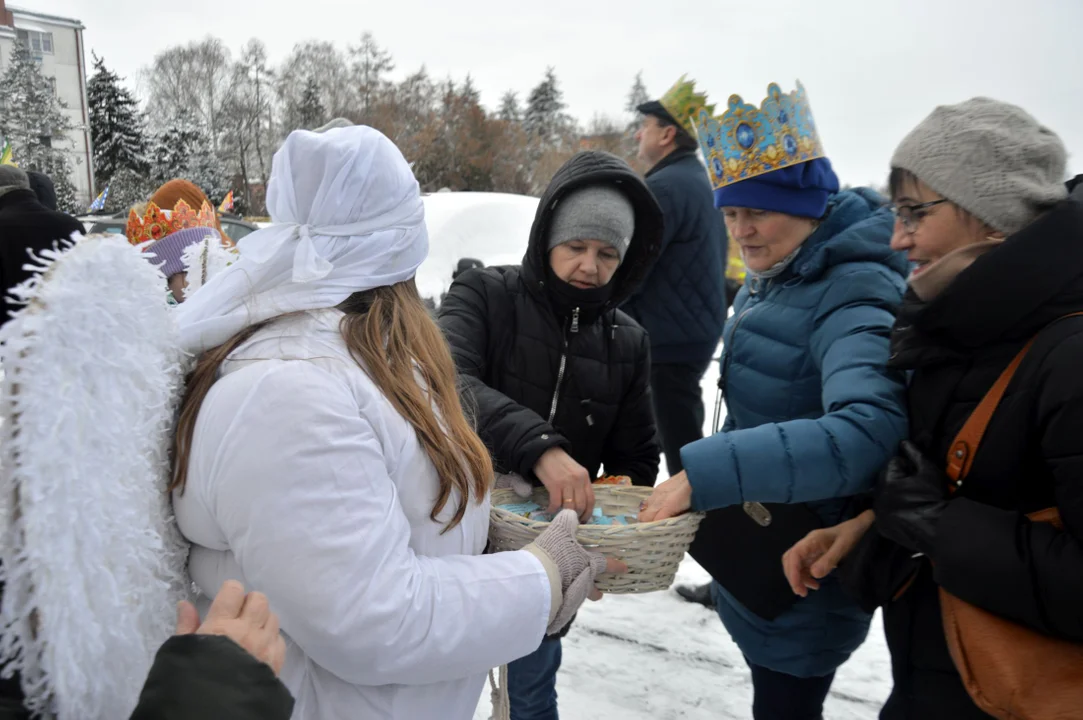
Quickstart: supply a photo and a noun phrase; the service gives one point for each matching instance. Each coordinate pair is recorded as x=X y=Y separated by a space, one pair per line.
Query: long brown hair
x=393 y=338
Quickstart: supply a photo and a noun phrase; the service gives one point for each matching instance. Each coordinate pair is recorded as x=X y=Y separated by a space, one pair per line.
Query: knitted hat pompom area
x=991 y=158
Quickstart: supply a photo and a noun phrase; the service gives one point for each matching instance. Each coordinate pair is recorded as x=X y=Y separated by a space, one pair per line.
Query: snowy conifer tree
x=509 y=108
x=469 y=92
x=545 y=121
x=311 y=112
x=128 y=187
x=184 y=150
x=32 y=118
x=637 y=95
x=371 y=66
x=116 y=127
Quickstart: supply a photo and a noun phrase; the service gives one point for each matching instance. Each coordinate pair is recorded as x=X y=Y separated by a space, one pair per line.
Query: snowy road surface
x=657 y=657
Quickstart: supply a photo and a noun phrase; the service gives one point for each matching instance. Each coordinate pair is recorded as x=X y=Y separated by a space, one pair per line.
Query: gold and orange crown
x=156 y=223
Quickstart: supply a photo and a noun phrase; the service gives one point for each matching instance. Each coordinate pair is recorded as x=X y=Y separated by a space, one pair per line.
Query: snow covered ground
x=657 y=657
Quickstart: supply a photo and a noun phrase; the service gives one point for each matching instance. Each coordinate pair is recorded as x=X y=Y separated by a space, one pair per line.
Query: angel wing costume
x=92 y=563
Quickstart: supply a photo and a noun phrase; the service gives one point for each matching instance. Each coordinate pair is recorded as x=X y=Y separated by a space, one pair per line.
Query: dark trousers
x=532 y=683
x=678 y=407
x=778 y=696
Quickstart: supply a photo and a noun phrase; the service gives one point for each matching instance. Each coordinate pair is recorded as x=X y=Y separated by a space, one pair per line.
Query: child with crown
x=813 y=412
x=181 y=229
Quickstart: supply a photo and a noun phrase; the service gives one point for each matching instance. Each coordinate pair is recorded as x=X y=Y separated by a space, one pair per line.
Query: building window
x=36 y=42
x=52 y=85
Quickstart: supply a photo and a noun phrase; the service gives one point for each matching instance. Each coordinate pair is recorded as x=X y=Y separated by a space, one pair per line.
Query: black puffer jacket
x=1031 y=458
x=541 y=379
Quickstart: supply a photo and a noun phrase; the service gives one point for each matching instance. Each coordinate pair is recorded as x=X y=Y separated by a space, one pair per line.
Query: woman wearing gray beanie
x=558 y=375
x=997 y=254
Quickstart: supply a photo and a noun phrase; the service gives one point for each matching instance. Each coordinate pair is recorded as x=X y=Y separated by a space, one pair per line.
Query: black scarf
x=566 y=298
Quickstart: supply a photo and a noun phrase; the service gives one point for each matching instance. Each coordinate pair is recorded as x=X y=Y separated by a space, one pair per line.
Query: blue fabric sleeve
x=838 y=454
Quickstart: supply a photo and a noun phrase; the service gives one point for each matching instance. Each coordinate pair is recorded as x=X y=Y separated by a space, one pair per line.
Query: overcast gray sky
x=873 y=68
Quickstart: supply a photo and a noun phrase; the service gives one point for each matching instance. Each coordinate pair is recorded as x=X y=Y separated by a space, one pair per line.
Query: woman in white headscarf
x=323 y=457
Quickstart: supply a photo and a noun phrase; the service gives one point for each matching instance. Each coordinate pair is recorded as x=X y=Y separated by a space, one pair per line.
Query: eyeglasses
x=911 y=215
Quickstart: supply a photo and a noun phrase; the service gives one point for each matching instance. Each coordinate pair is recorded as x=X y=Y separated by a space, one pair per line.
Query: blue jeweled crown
x=747 y=141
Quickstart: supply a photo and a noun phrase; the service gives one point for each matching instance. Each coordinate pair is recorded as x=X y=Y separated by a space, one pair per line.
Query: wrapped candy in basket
x=652 y=551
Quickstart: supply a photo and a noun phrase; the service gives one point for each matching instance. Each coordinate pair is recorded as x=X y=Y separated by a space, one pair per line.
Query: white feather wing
x=92 y=560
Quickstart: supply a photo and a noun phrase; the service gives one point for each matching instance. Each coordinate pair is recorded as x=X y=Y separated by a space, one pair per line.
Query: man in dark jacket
x=560 y=377
x=25 y=224
x=682 y=301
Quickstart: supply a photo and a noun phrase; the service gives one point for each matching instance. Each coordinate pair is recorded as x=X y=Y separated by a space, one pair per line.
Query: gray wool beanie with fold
x=990 y=158
x=593 y=212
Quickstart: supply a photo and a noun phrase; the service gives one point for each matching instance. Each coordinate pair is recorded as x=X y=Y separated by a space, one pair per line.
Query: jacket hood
x=856 y=228
x=42 y=186
x=1075 y=188
x=599 y=168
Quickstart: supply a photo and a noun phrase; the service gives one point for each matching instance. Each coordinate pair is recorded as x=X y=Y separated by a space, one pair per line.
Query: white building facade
x=56 y=43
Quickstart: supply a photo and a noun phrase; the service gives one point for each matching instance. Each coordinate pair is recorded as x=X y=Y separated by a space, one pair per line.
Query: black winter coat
x=682 y=302
x=538 y=378
x=208 y=677
x=1031 y=458
x=26 y=224
x=195 y=677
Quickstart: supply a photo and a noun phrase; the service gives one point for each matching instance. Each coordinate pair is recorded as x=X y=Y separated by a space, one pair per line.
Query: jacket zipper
x=724 y=373
x=563 y=365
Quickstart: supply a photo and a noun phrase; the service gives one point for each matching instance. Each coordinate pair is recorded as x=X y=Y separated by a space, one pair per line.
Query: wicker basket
x=652 y=551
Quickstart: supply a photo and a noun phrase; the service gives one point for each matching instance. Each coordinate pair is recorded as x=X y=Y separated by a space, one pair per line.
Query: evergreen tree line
x=34 y=121
x=217 y=121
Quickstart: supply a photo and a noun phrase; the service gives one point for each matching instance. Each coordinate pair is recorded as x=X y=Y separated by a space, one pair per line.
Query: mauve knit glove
x=511 y=481
x=578 y=568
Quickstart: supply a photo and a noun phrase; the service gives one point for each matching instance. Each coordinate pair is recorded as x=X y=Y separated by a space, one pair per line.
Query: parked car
x=234 y=226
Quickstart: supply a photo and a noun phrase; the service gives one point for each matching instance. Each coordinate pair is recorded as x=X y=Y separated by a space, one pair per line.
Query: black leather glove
x=911 y=497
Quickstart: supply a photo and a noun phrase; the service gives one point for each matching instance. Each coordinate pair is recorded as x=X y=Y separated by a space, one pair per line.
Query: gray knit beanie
x=990 y=158
x=11 y=176
x=594 y=212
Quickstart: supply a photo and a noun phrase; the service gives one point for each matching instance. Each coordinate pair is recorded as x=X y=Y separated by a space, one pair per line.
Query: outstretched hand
x=669 y=499
x=820 y=552
x=245 y=619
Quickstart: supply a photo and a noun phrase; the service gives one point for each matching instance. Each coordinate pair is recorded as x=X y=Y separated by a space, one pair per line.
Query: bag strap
x=964 y=447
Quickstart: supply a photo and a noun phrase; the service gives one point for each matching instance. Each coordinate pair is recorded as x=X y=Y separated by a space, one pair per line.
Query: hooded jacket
x=542 y=373
x=813 y=414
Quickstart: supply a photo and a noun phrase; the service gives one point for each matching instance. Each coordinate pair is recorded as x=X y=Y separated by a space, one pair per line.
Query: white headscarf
x=347 y=216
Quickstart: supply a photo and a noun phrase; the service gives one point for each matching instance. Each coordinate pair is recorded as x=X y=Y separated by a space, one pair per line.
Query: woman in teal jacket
x=813 y=413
